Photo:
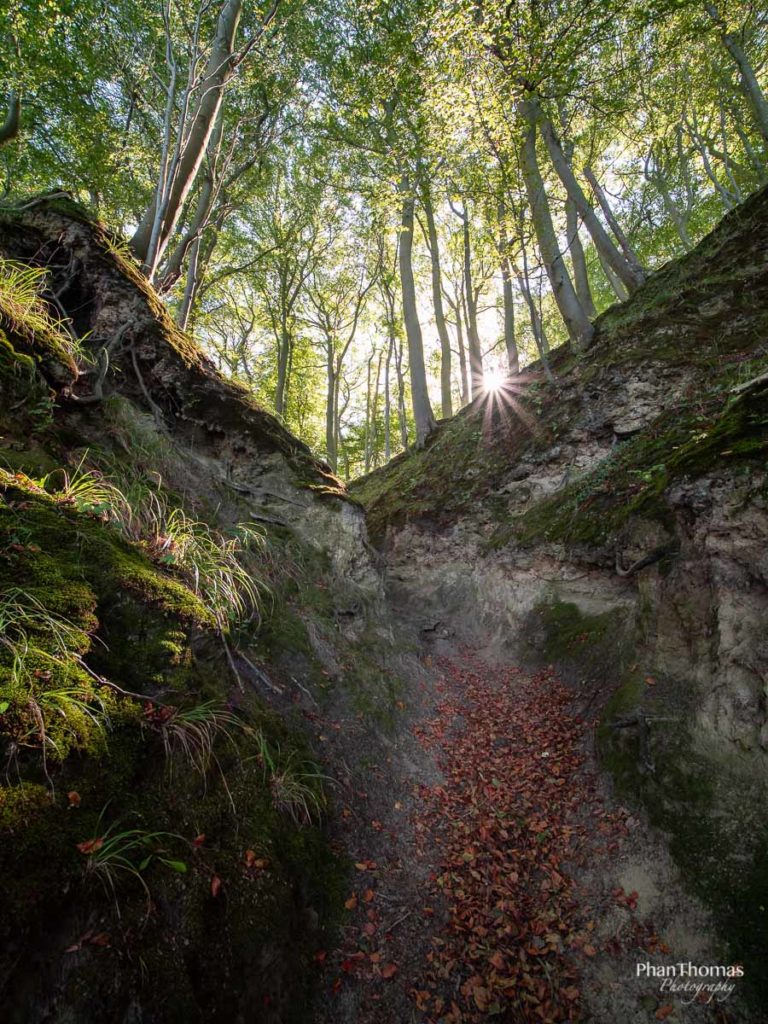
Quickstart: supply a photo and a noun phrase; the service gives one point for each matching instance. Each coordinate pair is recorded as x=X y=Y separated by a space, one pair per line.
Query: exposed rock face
x=617 y=525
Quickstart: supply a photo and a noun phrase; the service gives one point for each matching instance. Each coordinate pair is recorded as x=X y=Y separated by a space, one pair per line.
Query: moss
x=461 y=464
x=587 y=647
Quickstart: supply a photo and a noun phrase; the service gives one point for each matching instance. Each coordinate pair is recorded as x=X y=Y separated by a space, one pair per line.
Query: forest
x=383 y=511
x=365 y=212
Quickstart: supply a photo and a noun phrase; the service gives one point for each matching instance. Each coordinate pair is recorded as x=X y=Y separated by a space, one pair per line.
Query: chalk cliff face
x=615 y=523
x=120 y=444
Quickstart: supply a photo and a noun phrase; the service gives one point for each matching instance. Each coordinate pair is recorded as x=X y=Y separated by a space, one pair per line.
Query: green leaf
x=176 y=865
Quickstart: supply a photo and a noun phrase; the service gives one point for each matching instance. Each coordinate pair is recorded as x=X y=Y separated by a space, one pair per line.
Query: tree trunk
x=210 y=96
x=613 y=224
x=473 y=336
x=192 y=284
x=656 y=178
x=368 y=416
x=577 y=323
x=10 y=127
x=578 y=260
x=331 y=452
x=374 y=436
x=537 y=327
x=422 y=409
x=401 y=414
x=465 y=396
x=749 y=83
x=446 y=401
x=283 y=356
x=388 y=403
x=508 y=295
x=631 y=276
x=615 y=282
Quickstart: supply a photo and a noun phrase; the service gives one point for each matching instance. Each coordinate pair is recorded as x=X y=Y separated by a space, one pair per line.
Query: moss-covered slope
x=163 y=847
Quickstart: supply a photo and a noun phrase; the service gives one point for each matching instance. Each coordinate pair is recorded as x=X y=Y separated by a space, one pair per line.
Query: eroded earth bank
x=489 y=731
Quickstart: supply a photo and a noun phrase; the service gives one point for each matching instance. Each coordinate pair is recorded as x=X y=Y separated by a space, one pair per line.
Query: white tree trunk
x=749 y=83
x=577 y=323
x=437 y=302
x=161 y=217
x=632 y=277
x=422 y=409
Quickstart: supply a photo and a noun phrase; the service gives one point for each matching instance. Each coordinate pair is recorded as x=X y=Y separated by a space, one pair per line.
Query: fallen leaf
x=90 y=846
x=74 y=798
x=215 y=885
x=351 y=903
x=389 y=970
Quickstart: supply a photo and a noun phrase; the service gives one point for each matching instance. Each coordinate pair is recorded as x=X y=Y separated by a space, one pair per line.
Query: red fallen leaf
x=215 y=885
x=90 y=846
x=102 y=939
x=664 y=1011
x=497 y=961
x=368 y=896
x=374 y=957
x=347 y=966
x=589 y=950
x=320 y=956
x=389 y=970
x=74 y=798
x=249 y=858
x=369 y=928
x=351 y=903
x=198 y=841
x=571 y=993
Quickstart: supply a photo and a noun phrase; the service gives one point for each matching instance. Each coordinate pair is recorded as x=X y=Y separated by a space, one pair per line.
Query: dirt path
x=487 y=856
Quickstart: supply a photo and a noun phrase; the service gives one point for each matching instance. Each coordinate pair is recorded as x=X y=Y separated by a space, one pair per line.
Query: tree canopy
x=366 y=211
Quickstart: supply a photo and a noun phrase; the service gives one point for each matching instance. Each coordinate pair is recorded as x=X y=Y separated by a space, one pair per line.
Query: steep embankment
x=615 y=523
x=184 y=592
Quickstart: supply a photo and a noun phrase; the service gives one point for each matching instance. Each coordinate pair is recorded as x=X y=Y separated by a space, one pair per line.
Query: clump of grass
x=89 y=491
x=192 y=732
x=27 y=313
x=295 y=783
x=211 y=562
x=113 y=855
